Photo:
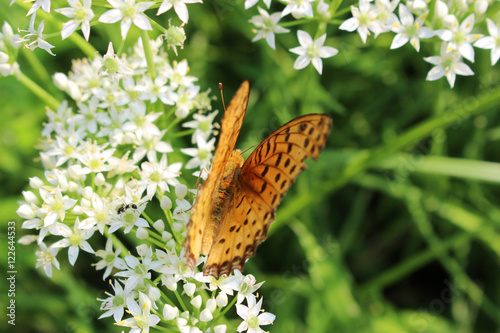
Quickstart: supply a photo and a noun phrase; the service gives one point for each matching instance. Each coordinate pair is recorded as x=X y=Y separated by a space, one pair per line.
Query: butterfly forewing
x=265 y=177
x=201 y=228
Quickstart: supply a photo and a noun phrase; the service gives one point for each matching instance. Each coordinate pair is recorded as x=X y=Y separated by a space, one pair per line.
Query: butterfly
x=236 y=203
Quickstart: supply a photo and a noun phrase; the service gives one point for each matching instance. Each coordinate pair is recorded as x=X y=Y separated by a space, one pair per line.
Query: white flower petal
x=301 y=62
x=111 y=16
x=399 y=40
x=349 y=24
x=450 y=76
x=318 y=64
x=304 y=38
x=182 y=11
x=467 y=51
x=495 y=55
x=327 y=52
x=73 y=254
x=435 y=73
x=125 y=26
x=142 y=22
x=68 y=28
x=485 y=43
x=463 y=69
x=165 y=5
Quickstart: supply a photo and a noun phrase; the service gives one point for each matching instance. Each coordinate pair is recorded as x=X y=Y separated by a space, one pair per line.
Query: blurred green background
x=394 y=229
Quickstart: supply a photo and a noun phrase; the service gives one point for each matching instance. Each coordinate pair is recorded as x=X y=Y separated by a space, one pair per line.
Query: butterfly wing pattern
x=200 y=228
x=264 y=179
x=243 y=220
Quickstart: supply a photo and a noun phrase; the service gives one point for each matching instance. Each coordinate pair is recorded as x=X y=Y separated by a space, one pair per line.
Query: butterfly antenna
x=249 y=148
x=222 y=96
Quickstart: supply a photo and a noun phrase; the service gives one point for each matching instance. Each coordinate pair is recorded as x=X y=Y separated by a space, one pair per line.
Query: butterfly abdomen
x=224 y=191
x=228 y=182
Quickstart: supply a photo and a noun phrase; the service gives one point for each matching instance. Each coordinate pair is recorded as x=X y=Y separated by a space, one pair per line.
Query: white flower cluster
x=9 y=45
x=105 y=162
x=127 y=12
x=456 y=26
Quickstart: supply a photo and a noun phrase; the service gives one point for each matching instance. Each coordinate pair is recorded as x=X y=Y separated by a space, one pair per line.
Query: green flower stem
x=148 y=53
x=38 y=68
x=83 y=45
x=367 y=159
x=39 y=92
x=158 y=26
x=477 y=227
x=226 y=309
x=181 y=302
x=170 y=220
x=334 y=5
x=182 y=133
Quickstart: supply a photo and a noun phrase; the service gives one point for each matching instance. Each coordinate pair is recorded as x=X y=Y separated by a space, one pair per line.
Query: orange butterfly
x=236 y=203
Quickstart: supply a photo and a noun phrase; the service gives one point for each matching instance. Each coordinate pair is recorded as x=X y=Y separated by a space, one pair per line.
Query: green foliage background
x=394 y=229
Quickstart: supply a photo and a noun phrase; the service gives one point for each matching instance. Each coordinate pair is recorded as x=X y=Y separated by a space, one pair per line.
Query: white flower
x=8 y=43
x=179 y=7
x=312 y=51
x=34 y=37
x=98 y=212
x=152 y=90
x=74 y=240
x=175 y=36
x=110 y=259
x=460 y=37
x=47 y=259
x=170 y=312
x=417 y=6
x=173 y=268
x=251 y=3
x=8 y=39
x=149 y=144
x=298 y=8
x=138 y=270
x=410 y=30
x=112 y=65
x=252 y=316
x=44 y=4
x=142 y=318
x=55 y=205
x=449 y=64
x=202 y=155
x=203 y=125
x=385 y=16
x=87 y=115
x=95 y=157
x=268 y=25
x=128 y=219
x=491 y=42
x=363 y=19
x=159 y=175
x=80 y=13
x=177 y=75
x=127 y=11
x=186 y=100
x=120 y=166
x=6 y=68
x=220 y=329
x=65 y=148
x=115 y=304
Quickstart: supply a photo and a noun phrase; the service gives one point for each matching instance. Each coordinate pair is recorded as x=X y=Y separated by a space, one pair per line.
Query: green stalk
x=367 y=159
x=148 y=53
x=39 y=92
